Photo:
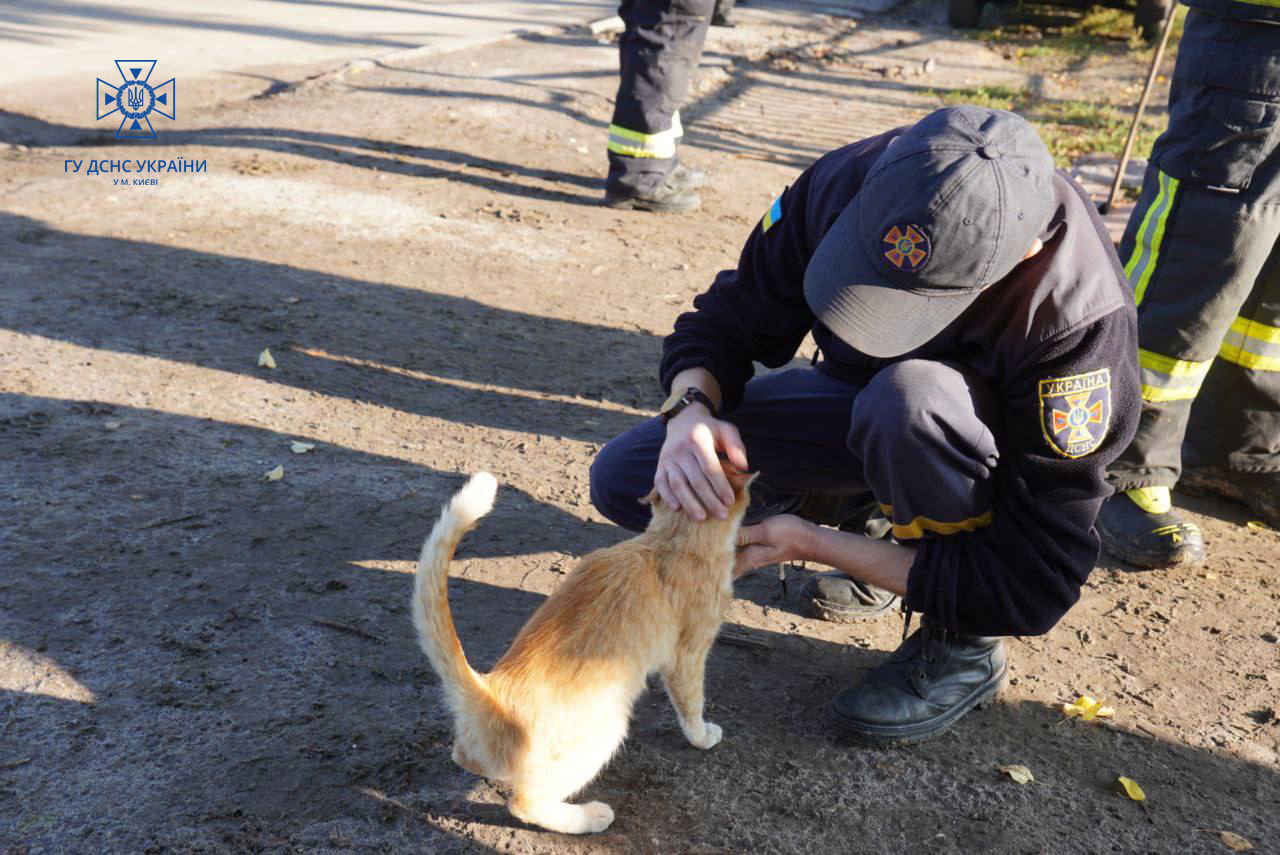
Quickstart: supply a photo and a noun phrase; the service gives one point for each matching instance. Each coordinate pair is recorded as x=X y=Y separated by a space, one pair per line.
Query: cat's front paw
x=597 y=816
x=711 y=736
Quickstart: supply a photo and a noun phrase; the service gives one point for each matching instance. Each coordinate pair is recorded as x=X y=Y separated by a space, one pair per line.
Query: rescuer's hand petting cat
x=556 y=706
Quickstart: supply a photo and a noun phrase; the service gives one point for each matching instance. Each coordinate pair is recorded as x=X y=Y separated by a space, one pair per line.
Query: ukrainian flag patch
x=772 y=215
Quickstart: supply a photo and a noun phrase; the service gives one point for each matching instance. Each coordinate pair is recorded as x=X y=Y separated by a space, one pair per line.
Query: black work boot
x=834 y=596
x=666 y=198
x=687 y=177
x=1148 y=538
x=1258 y=491
x=929 y=682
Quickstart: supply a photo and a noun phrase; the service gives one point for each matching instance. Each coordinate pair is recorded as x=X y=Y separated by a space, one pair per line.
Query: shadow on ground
x=248 y=676
x=410 y=350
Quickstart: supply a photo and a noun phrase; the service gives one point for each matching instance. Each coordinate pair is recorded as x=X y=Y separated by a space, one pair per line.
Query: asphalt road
x=48 y=44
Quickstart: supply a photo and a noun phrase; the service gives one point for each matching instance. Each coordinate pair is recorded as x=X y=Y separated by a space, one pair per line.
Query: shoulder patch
x=772 y=215
x=1075 y=411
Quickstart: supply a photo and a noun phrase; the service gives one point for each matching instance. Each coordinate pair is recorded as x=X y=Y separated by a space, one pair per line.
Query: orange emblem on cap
x=908 y=247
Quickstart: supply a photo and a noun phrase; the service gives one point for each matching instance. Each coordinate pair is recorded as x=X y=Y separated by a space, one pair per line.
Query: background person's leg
x=658 y=53
x=1232 y=444
x=1194 y=248
x=1192 y=267
x=794 y=425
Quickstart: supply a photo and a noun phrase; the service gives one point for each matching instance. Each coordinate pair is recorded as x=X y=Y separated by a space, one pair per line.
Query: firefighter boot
x=666 y=198
x=1142 y=528
x=687 y=177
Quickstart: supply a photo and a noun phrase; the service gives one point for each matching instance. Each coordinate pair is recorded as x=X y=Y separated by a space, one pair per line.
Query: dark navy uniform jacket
x=1065 y=313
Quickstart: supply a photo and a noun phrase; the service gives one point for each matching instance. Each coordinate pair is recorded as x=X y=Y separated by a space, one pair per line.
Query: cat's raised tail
x=436 y=634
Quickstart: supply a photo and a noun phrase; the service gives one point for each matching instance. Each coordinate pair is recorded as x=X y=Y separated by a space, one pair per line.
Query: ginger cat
x=556 y=706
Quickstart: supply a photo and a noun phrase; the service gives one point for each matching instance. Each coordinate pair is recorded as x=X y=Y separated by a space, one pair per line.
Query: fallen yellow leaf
x=301 y=447
x=1235 y=842
x=275 y=474
x=1019 y=773
x=1132 y=790
x=1258 y=525
x=1087 y=708
x=265 y=359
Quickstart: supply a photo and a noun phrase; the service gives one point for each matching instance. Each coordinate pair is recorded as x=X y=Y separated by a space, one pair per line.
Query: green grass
x=1063 y=36
x=1053 y=40
x=1069 y=128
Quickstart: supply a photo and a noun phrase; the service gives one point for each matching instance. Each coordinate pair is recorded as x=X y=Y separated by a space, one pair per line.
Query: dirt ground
x=196 y=659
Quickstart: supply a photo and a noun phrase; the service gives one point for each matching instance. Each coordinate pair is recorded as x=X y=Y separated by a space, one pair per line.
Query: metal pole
x=1142 y=105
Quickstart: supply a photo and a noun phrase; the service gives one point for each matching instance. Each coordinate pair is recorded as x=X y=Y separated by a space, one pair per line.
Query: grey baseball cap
x=949 y=208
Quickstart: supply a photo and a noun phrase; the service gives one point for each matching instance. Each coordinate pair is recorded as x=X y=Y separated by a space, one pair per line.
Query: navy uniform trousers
x=1202 y=252
x=658 y=53
x=915 y=437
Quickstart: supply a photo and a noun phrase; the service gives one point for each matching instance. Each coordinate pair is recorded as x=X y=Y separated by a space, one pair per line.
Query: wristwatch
x=675 y=404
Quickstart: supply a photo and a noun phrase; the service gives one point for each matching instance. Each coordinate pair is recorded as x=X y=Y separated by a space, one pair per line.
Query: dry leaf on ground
x=1019 y=773
x=265 y=359
x=1258 y=525
x=1235 y=842
x=1087 y=708
x=1131 y=789
x=301 y=447
x=275 y=474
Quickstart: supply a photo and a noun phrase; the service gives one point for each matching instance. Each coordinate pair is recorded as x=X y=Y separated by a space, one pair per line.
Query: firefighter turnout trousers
x=658 y=54
x=1201 y=255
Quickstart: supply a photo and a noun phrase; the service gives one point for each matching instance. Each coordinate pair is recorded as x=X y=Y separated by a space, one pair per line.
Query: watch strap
x=675 y=405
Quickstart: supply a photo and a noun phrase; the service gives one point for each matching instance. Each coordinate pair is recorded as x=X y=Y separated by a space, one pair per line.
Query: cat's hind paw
x=711 y=736
x=565 y=818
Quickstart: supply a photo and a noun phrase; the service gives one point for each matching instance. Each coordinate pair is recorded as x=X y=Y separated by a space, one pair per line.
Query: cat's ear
x=740 y=481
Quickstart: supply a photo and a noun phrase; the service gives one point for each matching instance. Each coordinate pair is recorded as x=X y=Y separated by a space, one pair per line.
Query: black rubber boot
x=1148 y=540
x=666 y=198
x=687 y=177
x=1258 y=491
x=929 y=682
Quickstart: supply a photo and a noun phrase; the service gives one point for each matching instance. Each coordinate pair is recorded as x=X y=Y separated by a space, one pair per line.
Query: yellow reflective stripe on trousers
x=915 y=529
x=1252 y=345
x=1274 y=4
x=1167 y=379
x=1146 y=248
x=635 y=144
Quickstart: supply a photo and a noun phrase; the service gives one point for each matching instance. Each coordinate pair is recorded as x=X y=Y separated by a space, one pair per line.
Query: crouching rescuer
x=948 y=450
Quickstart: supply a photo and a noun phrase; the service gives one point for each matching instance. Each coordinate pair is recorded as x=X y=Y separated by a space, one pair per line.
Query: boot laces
x=933 y=650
